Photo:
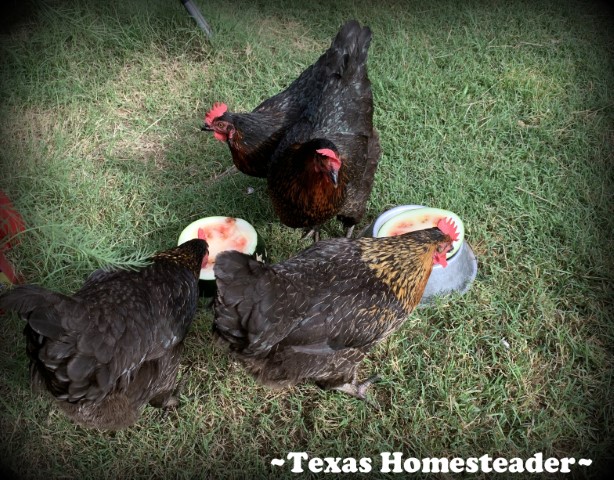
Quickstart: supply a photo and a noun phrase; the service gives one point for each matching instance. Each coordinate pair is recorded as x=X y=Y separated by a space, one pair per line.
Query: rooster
x=325 y=164
x=254 y=136
x=114 y=345
x=315 y=316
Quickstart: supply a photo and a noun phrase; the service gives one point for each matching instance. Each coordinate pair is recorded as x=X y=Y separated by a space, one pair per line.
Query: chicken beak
x=206 y=128
x=334 y=177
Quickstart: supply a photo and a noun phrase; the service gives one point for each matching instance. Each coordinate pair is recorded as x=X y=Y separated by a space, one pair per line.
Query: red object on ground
x=11 y=222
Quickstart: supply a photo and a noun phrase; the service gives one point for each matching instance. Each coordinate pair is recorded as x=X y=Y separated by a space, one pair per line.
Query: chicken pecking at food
x=254 y=136
x=315 y=316
x=114 y=345
x=325 y=164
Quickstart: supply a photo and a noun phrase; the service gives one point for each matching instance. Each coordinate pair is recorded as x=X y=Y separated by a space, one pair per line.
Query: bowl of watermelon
x=462 y=265
x=221 y=234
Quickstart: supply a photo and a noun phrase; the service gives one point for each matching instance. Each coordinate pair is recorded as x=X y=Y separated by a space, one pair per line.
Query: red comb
x=327 y=152
x=448 y=227
x=217 y=110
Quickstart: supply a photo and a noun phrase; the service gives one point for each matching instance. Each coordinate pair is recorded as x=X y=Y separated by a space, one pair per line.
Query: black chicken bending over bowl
x=115 y=345
x=315 y=316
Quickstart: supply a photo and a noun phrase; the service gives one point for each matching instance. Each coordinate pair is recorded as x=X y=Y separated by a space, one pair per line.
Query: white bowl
x=224 y=233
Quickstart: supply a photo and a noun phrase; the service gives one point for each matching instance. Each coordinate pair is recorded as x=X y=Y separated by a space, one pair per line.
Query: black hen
x=314 y=317
x=114 y=345
x=326 y=162
x=254 y=136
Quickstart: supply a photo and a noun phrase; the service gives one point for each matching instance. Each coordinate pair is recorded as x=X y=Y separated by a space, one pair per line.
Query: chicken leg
x=314 y=232
x=358 y=390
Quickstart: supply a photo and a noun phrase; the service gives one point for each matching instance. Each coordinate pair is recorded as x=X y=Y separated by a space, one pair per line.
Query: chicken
x=315 y=316
x=114 y=345
x=325 y=164
x=254 y=136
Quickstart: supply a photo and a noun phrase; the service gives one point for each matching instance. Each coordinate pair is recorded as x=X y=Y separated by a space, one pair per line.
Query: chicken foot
x=169 y=400
x=358 y=390
x=165 y=400
x=314 y=232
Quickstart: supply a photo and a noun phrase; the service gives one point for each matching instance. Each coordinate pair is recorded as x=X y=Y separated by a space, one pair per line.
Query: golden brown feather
x=315 y=316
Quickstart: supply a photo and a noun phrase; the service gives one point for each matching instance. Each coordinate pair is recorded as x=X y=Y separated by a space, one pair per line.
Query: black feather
x=258 y=133
x=108 y=349
x=315 y=316
x=340 y=119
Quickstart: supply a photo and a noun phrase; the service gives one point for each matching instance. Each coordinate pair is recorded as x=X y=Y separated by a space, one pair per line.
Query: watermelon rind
x=422 y=218
x=254 y=246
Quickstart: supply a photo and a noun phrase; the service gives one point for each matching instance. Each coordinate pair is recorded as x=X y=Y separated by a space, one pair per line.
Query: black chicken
x=314 y=317
x=254 y=136
x=114 y=345
x=326 y=162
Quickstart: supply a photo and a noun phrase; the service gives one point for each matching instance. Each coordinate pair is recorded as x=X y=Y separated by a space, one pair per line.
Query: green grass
x=499 y=111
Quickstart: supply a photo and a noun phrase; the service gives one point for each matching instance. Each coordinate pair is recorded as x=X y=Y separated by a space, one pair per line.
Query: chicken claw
x=359 y=390
x=314 y=232
x=169 y=401
x=171 y=405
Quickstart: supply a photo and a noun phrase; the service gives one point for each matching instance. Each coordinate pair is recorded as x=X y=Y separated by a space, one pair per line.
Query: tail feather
x=38 y=306
x=350 y=48
x=235 y=275
x=232 y=265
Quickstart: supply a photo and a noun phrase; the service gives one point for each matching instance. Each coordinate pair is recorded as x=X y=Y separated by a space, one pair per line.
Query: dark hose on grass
x=196 y=15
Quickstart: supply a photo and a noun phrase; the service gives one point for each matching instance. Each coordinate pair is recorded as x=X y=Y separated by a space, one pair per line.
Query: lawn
x=501 y=111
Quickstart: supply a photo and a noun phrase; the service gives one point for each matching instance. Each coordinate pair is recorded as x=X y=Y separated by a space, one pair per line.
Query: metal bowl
x=456 y=277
